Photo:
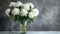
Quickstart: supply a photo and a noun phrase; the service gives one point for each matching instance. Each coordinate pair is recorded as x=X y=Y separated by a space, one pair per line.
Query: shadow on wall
x=48 y=19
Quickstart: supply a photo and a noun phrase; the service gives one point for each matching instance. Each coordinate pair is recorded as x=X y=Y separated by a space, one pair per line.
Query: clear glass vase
x=23 y=28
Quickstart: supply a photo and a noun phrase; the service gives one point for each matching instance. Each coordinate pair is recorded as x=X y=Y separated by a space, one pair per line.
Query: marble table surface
x=30 y=32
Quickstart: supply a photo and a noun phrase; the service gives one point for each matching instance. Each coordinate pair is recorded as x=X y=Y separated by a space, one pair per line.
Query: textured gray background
x=48 y=19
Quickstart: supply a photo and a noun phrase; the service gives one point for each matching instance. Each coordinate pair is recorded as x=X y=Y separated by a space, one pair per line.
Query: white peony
x=15 y=11
x=31 y=15
x=28 y=5
x=12 y=4
x=35 y=11
x=18 y=3
x=31 y=5
x=7 y=11
x=23 y=12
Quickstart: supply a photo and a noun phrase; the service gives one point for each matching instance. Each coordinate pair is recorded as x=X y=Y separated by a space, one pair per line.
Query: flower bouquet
x=22 y=12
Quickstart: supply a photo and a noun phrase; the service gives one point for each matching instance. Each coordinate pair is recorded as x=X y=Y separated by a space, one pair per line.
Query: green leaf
x=17 y=17
x=30 y=20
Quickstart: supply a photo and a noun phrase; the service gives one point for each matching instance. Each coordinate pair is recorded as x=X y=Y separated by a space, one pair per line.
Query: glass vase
x=23 y=28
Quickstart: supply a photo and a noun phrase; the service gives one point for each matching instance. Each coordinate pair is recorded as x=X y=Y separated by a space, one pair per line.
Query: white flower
x=23 y=12
x=15 y=11
x=18 y=3
x=35 y=11
x=31 y=5
x=7 y=11
x=31 y=15
x=12 y=4
x=28 y=5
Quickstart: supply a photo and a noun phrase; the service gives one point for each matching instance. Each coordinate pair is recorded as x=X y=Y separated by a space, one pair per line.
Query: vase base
x=23 y=32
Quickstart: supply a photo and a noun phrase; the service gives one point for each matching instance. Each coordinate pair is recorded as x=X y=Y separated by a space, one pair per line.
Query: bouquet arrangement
x=22 y=12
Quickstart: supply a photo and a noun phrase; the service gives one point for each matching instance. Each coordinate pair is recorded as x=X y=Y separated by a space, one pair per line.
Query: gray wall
x=48 y=19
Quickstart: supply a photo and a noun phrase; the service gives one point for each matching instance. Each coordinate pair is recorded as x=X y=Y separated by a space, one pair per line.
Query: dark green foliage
x=11 y=10
x=30 y=20
x=17 y=17
x=22 y=19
